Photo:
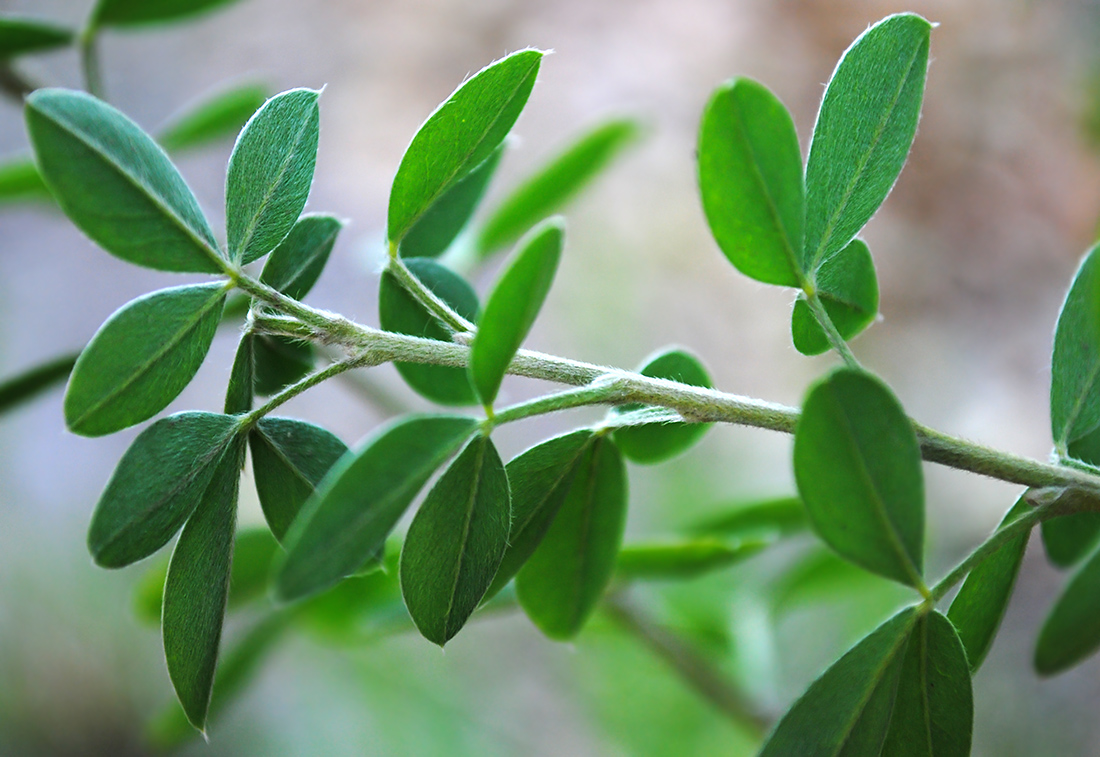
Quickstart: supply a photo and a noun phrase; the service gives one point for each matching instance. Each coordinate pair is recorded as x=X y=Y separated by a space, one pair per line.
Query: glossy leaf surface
x=20 y=35
x=1075 y=364
x=1071 y=631
x=138 y=12
x=858 y=468
x=459 y=136
x=512 y=307
x=142 y=357
x=750 y=178
x=219 y=116
x=296 y=264
x=849 y=291
x=866 y=124
x=117 y=185
x=682 y=559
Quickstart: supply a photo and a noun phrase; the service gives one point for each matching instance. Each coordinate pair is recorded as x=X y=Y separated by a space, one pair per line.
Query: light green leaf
x=142 y=357
x=866 y=124
x=399 y=311
x=656 y=442
x=125 y=13
x=20 y=35
x=1075 y=364
x=21 y=182
x=239 y=394
x=289 y=459
x=750 y=179
x=849 y=291
x=858 y=468
x=539 y=480
x=978 y=608
x=561 y=583
x=773 y=518
x=270 y=172
x=25 y=386
x=554 y=184
x=296 y=264
x=197 y=588
x=157 y=485
x=1071 y=631
x=279 y=361
x=117 y=185
x=682 y=559
x=346 y=521
x=218 y=116
x=456 y=541
x=513 y=306
x=459 y=136
x=442 y=222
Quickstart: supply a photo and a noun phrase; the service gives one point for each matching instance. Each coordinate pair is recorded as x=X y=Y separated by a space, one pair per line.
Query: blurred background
x=974 y=250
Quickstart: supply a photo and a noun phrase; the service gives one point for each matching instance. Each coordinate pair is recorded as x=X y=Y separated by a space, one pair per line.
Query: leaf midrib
x=1078 y=405
x=565 y=471
x=460 y=558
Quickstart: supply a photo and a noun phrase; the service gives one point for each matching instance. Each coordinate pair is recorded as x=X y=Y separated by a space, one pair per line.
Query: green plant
x=552 y=519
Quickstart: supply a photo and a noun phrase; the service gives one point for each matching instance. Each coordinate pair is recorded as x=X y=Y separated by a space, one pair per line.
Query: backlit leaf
x=20 y=35
x=136 y=12
x=218 y=116
x=774 y=518
x=1071 y=631
x=296 y=264
x=849 y=292
x=683 y=559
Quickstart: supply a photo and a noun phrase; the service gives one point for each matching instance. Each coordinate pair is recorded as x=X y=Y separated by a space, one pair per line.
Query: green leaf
x=849 y=292
x=1071 y=631
x=683 y=559
x=197 y=588
x=866 y=124
x=360 y=500
x=399 y=311
x=750 y=179
x=125 y=13
x=21 y=182
x=117 y=185
x=142 y=357
x=242 y=376
x=157 y=485
x=459 y=136
x=554 y=184
x=219 y=116
x=456 y=541
x=270 y=172
x=513 y=306
x=656 y=442
x=1075 y=364
x=771 y=518
x=296 y=264
x=978 y=608
x=1068 y=538
x=442 y=222
x=561 y=583
x=858 y=468
x=20 y=35
x=279 y=362
x=28 y=384
x=539 y=480
x=289 y=459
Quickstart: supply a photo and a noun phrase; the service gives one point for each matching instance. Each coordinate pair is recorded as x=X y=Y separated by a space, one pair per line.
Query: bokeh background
x=974 y=249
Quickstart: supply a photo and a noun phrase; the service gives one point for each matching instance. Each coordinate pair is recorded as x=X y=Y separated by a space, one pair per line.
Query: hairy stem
x=432 y=303
x=817 y=307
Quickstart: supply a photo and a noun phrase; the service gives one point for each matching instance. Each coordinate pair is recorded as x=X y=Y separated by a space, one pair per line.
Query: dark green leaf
x=539 y=480
x=1072 y=630
x=864 y=129
x=117 y=185
x=197 y=588
x=21 y=182
x=289 y=459
x=554 y=184
x=142 y=357
x=858 y=468
x=456 y=541
x=20 y=35
x=978 y=608
x=560 y=584
x=136 y=12
x=459 y=136
x=1075 y=364
x=296 y=264
x=513 y=306
x=270 y=172
x=1068 y=538
x=27 y=385
x=656 y=442
x=682 y=559
x=772 y=518
x=157 y=485
x=242 y=376
x=443 y=221
x=279 y=361
x=750 y=178
x=217 y=117
x=849 y=292
x=346 y=521
x=399 y=311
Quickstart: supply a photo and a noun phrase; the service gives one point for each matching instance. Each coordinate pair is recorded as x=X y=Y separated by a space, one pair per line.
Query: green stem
x=430 y=300
x=310 y=381
x=598 y=393
x=89 y=61
x=827 y=325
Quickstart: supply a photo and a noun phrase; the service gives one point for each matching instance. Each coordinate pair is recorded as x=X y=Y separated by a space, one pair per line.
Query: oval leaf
x=656 y=442
x=360 y=500
x=400 y=312
x=456 y=541
x=562 y=581
x=683 y=559
x=1072 y=630
x=217 y=117
x=289 y=459
x=771 y=518
x=137 y=12
x=142 y=357
x=296 y=264
x=858 y=468
x=117 y=185
x=513 y=306
x=157 y=485
x=270 y=172
x=554 y=184
x=20 y=35
x=1075 y=363
x=750 y=179
x=849 y=291
x=866 y=124
x=459 y=136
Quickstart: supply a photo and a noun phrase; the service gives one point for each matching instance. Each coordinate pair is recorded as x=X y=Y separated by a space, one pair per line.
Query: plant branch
x=430 y=300
x=310 y=381
x=13 y=84
x=817 y=307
